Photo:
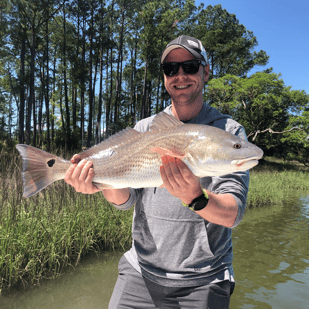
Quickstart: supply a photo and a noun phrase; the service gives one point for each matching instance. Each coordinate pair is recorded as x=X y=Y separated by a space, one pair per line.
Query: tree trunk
x=132 y=88
x=31 y=97
x=89 y=133
x=66 y=99
x=47 y=88
x=143 y=108
x=53 y=105
x=42 y=73
x=109 y=102
x=98 y=123
x=82 y=86
x=107 y=106
x=22 y=91
x=158 y=91
x=10 y=116
x=61 y=111
x=119 y=75
x=34 y=122
x=74 y=103
x=149 y=99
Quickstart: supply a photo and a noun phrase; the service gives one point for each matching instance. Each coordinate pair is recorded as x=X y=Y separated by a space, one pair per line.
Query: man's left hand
x=179 y=180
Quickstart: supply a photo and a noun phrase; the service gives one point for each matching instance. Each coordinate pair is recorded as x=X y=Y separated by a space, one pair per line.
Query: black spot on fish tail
x=51 y=162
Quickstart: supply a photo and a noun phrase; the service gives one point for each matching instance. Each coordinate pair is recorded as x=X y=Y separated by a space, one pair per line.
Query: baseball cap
x=192 y=45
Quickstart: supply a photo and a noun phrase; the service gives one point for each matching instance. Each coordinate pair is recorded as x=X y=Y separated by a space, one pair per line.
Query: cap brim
x=170 y=48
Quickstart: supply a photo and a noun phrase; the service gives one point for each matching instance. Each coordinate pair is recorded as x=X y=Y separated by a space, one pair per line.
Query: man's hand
x=179 y=180
x=80 y=174
x=221 y=209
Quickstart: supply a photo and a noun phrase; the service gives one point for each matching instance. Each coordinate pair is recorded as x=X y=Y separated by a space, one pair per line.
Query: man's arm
x=221 y=209
x=80 y=174
x=117 y=196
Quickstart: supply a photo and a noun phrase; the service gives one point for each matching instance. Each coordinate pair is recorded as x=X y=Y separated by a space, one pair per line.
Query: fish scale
x=132 y=159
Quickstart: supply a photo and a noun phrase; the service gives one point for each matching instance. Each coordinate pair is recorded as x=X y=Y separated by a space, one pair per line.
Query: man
x=181 y=257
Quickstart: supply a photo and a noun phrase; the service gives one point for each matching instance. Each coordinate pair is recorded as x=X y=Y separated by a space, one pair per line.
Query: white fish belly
x=135 y=177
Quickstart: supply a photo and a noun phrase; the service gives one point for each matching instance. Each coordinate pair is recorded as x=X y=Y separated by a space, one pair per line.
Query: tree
x=296 y=139
x=229 y=45
x=58 y=51
x=265 y=107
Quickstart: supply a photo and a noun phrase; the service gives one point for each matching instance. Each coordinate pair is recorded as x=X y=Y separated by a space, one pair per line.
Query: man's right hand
x=80 y=174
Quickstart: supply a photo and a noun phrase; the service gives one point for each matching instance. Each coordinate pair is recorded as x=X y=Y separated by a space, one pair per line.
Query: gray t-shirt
x=173 y=245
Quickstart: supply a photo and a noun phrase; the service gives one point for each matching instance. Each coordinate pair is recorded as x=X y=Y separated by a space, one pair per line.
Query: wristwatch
x=198 y=203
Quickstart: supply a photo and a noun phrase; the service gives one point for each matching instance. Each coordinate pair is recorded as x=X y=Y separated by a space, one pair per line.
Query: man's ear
x=206 y=72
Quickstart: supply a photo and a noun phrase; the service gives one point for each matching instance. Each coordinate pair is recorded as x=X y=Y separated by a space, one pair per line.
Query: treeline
x=74 y=72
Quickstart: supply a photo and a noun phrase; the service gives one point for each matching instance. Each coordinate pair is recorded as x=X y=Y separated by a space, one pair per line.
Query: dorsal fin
x=164 y=121
x=125 y=136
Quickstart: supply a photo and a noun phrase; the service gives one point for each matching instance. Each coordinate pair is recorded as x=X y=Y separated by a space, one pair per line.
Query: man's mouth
x=182 y=86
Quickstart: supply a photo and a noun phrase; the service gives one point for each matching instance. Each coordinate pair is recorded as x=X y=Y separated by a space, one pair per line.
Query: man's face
x=183 y=88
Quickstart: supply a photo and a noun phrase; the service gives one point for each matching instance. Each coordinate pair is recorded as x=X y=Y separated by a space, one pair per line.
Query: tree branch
x=272 y=132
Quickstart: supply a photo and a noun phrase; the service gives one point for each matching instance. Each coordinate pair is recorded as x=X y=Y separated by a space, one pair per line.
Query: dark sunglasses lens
x=170 y=68
x=191 y=67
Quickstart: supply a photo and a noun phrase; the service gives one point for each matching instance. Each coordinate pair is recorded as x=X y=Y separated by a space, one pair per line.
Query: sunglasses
x=189 y=67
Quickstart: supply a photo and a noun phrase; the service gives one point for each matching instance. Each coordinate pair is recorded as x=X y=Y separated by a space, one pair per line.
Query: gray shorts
x=134 y=291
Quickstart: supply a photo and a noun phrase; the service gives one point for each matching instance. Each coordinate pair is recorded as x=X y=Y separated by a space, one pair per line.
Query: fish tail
x=40 y=169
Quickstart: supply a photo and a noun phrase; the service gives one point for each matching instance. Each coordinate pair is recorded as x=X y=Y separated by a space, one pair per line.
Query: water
x=271 y=257
x=88 y=286
x=271 y=264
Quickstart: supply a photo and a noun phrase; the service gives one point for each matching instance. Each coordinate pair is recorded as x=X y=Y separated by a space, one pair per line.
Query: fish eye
x=237 y=146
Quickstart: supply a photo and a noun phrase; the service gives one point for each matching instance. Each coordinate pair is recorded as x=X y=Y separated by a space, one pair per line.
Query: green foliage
x=121 y=41
x=267 y=109
x=229 y=45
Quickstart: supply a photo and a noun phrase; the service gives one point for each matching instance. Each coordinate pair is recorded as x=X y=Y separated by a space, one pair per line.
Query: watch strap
x=204 y=194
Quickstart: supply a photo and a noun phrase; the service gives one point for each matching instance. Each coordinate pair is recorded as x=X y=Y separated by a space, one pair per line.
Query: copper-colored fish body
x=136 y=164
x=132 y=159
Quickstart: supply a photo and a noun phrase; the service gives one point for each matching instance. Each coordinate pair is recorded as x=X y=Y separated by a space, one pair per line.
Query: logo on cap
x=193 y=43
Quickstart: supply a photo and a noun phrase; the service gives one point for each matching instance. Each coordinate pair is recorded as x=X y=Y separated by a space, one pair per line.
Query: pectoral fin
x=166 y=152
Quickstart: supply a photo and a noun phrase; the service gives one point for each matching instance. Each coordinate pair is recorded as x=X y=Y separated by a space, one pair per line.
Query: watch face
x=200 y=204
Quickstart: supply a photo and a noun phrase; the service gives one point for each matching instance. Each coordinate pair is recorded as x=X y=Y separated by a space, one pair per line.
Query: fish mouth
x=252 y=161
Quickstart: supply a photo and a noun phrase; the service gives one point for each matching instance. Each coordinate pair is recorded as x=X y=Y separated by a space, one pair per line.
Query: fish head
x=215 y=152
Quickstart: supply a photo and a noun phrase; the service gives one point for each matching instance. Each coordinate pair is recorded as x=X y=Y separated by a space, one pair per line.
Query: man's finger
x=76 y=158
x=166 y=182
x=69 y=173
x=78 y=169
x=186 y=172
x=85 y=171
x=88 y=180
x=167 y=159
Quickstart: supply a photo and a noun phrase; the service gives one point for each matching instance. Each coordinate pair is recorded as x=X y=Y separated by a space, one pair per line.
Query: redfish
x=132 y=159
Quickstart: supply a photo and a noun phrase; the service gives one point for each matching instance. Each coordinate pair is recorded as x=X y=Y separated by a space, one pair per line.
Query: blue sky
x=282 y=30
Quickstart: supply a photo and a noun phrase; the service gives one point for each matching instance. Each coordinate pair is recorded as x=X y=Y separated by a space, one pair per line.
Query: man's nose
x=180 y=72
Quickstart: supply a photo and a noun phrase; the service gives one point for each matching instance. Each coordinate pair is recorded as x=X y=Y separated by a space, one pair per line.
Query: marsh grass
x=274 y=181
x=42 y=235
